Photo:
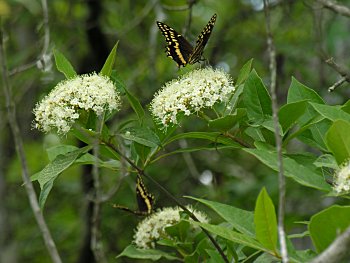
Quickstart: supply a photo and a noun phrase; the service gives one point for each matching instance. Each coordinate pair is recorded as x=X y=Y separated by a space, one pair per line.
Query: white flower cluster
x=190 y=93
x=62 y=106
x=342 y=178
x=153 y=227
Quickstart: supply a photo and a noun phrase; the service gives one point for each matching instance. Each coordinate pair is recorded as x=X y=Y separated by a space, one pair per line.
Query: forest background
x=306 y=34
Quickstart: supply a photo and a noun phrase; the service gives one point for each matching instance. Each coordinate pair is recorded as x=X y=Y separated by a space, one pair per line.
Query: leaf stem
x=187 y=211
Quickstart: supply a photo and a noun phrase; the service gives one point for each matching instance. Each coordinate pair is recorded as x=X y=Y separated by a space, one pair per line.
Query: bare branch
x=11 y=115
x=334 y=6
x=337 y=84
x=281 y=177
x=338 y=251
x=96 y=243
x=340 y=69
x=44 y=60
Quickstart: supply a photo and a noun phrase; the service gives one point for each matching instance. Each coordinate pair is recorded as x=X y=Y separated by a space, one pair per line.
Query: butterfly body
x=145 y=200
x=179 y=49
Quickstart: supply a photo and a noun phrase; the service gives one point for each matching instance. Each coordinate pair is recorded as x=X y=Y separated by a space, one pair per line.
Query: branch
x=11 y=115
x=96 y=243
x=44 y=60
x=338 y=251
x=142 y=173
x=334 y=6
x=281 y=177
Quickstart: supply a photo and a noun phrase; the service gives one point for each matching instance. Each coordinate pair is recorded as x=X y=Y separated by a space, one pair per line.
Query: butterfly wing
x=145 y=200
x=202 y=40
x=178 y=48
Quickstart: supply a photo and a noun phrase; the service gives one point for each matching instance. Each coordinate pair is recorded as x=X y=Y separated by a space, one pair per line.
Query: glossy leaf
x=135 y=104
x=240 y=219
x=58 y=165
x=233 y=236
x=244 y=72
x=144 y=136
x=290 y=113
x=216 y=137
x=63 y=65
x=292 y=169
x=265 y=221
x=326 y=225
x=109 y=64
x=152 y=254
x=224 y=123
x=338 y=140
x=256 y=97
x=332 y=113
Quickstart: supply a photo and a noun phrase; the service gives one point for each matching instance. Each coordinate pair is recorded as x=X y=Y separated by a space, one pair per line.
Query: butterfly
x=179 y=49
x=145 y=200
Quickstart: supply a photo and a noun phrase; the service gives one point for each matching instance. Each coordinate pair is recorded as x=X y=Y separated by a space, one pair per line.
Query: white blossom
x=62 y=106
x=342 y=178
x=190 y=93
x=152 y=228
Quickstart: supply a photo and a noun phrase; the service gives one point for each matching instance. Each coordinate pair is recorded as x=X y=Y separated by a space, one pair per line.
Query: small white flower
x=190 y=93
x=62 y=106
x=342 y=178
x=152 y=228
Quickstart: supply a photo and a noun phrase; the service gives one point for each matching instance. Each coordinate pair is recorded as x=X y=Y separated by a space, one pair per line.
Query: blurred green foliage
x=239 y=35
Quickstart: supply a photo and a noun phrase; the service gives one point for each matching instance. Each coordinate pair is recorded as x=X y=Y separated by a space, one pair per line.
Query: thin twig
x=96 y=243
x=281 y=177
x=338 y=68
x=43 y=62
x=142 y=173
x=338 y=251
x=337 y=84
x=334 y=6
x=11 y=115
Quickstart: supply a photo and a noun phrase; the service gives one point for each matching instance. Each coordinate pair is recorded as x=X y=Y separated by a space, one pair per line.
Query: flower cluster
x=62 y=106
x=153 y=227
x=342 y=178
x=190 y=93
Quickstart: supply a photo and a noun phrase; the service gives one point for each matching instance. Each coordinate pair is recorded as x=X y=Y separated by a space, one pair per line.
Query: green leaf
x=232 y=235
x=292 y=169
x=152 y=254
x=240 y=219
x=144 y=136
x=332 y=113
x=54 y=151
x=224 y=123
x=338 y=140
x=45 y=193
x=108 y=66
x=315 y=134
x=326 y=225
x=216 y=137
x=299 y=92
x=135 y=104
x=265 y=221
x=57 y=166
x=244 y=72
x=326 y=160
x=256 y=97
x=215 y=256
x=290 y=113
x=63 y=65
x=266 y=258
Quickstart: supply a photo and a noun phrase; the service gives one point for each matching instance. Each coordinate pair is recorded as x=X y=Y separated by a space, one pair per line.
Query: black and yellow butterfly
x=179 y=49
x=145 y=200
